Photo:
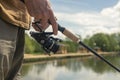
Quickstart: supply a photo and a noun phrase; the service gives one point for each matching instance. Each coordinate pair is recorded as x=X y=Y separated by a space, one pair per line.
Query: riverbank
x=35 y=58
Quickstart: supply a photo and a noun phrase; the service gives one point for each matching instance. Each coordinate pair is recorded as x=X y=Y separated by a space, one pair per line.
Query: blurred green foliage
x=104 y=41
x=31 y=46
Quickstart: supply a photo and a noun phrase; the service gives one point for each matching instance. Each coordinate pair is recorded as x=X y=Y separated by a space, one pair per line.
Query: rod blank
x=75 y=39
x=95 y=53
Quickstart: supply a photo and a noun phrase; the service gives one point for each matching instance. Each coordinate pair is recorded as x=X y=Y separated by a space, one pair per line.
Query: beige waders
x=11 y=51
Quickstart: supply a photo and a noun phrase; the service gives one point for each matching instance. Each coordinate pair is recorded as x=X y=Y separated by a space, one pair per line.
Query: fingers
x=41 y=10
x=43 y=18
x=52 y=19
x=37 y=27
x=53 y=22
x=44 y=21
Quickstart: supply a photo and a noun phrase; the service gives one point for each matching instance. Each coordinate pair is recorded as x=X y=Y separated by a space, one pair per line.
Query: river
x=85 y=68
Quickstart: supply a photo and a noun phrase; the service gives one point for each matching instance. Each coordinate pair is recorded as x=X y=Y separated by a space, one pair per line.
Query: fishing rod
x=77 y=40
x=49 y=43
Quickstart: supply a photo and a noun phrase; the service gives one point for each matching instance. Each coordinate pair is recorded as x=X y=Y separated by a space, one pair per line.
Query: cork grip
x=70 y=35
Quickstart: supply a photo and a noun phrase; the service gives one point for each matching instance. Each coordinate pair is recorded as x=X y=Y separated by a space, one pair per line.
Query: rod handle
x=68 y=34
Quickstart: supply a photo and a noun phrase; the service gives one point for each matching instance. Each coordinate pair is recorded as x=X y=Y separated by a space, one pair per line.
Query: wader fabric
x=11 y=50
x=15 y=12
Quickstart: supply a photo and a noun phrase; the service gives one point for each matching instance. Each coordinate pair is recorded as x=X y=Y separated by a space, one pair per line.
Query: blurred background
x=87 y=17
x=95 y=22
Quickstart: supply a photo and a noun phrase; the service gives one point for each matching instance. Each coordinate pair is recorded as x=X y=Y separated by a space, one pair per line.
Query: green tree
x=112 y=43
x=99 y=40
x=71 y=46
x=116 y=36
x=104 y=41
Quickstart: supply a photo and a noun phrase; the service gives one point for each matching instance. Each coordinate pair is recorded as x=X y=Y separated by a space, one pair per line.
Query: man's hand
x=41 y=10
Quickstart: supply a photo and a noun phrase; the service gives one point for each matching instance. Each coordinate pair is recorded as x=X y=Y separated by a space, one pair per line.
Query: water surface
x=87 y=68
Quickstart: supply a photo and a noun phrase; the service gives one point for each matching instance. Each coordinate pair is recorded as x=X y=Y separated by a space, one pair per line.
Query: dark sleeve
x=22 y=1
